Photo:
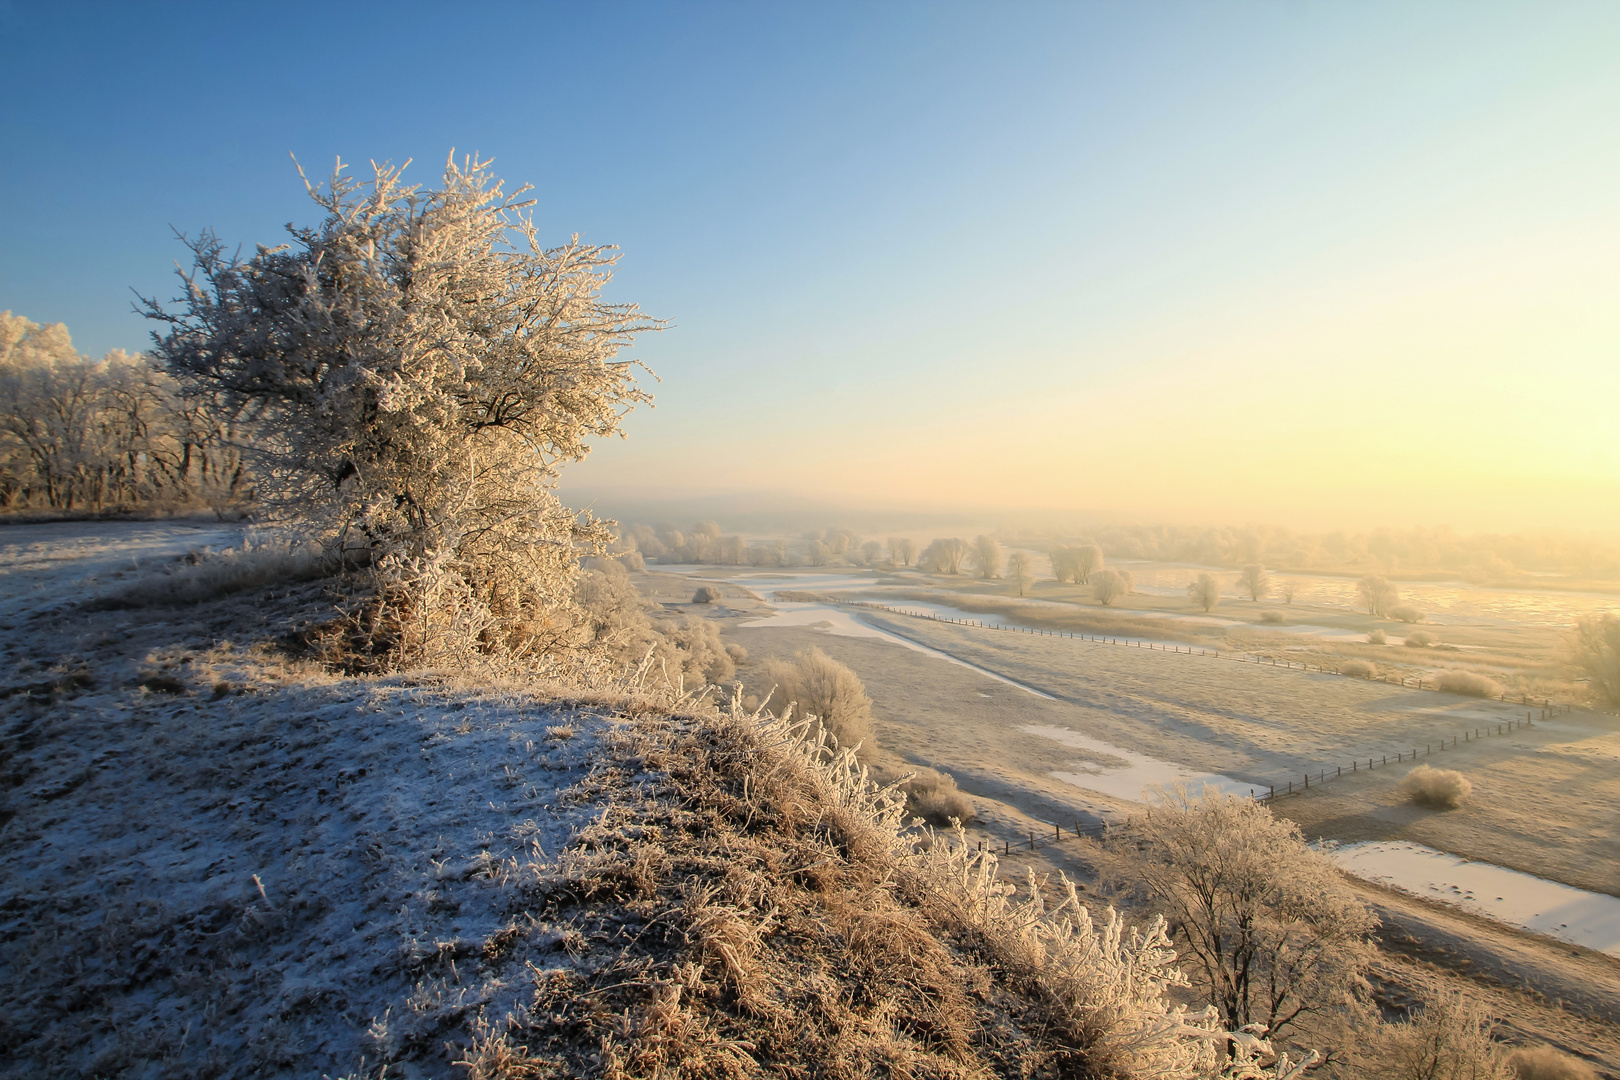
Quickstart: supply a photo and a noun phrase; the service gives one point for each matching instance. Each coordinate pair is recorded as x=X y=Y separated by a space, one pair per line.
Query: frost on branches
x=416 y=369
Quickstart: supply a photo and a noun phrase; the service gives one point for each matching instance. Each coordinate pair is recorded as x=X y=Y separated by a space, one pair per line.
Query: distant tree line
x=83 y=435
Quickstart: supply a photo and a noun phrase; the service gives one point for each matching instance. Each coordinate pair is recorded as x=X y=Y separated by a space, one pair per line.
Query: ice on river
x=1588 y=919
x=1125 y=774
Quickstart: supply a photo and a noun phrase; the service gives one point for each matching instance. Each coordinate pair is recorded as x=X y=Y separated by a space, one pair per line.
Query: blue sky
x=1023 y=255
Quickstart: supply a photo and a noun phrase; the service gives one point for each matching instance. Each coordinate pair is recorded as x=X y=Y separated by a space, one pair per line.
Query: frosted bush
x=1450 y=1037
x=1546 y=1063
x=1107 y=586
x=1378 y=637
x=1406 y=613
x=1360 y=669
x=1437 y=789
x=1419 y=640
x=1272 y=617
x=707 y=594
x=418 y=367
x=1470 y=683
x=817 y=685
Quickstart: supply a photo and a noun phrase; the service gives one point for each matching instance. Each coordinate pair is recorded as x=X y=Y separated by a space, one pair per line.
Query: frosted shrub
x=1273 y=617
x=1437 y=789
x=707 y=594
x=817 y=685
x=1448 y=1039
x=1107 y=586
x=1359 y=669
x=1406 y=613
x=1378 y=637
x=1469 y=683
x=1594 y=650
x=1545 y=1063
x=1419 y=640
x=419 y=366
x=933 y=796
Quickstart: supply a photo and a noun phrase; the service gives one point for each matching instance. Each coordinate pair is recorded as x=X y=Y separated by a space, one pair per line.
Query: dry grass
x=204 y=576
x=1469 y=683
x=1074 y=619
x=747 y=904
x=933 y=796
x=1437 y=789
x=1545 y=1063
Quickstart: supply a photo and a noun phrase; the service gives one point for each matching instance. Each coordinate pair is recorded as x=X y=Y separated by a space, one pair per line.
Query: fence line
x=1547 y=705
x=1289 y=788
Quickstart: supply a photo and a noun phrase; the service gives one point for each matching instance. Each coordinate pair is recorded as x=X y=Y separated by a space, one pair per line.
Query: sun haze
x=1309 y=264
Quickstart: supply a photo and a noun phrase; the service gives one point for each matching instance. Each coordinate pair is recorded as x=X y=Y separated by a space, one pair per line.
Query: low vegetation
x=1468 y=683
x=707 y=594
x=1546 y=1063
x=816 y=686
x=1448 y=1038
x=1436 y=789
x=1594 y=650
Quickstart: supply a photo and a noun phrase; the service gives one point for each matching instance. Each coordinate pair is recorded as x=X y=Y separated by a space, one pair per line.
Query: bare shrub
x=418 y=367
x=1359 y=669
x=1448 y=1039
x=1273 y=937
x=1205 y=591
x=1469 y=683
x=1107 y=586
x=1377 y=594
x=1272 y=617
x=986 y=556
x=1594 y=650
x=1255 y=581
x=1378 y=637
x=1406 y=613
x=1437 y=789
x=819 y=686
x=1420 y=640
x=707 y=594
x=1546 y=1063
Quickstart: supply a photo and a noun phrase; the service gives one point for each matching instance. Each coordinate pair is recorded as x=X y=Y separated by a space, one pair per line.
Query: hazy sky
x=1301 y=263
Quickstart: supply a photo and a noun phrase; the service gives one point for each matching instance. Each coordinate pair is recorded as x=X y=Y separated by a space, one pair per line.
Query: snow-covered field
x=217 y=861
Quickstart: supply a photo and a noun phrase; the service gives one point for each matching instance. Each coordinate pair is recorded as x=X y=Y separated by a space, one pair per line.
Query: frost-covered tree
x=1088 y=559
x=902 y=550
x=986 y=556
x=1021 y=567
x=1108 y=586
x=817 y=685
x=870 y=552
x=1205 y=591
x=419 y=366
x=1255 y=581
x=1270 y=932
x=944 y=555
x=1594 y=649
x=1377 y=594
x=818 y=553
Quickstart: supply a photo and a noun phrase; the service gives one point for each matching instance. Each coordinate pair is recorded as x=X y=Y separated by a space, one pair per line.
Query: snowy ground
x=218 y=862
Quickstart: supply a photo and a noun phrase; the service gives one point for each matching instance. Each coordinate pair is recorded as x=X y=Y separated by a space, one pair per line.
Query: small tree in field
x=1271 y=933
x=1108 y=586
x=1255 y=581
x=419 y=366
x=1377 y=594
x=902 y=550
x=1288 y=589
x=1205 y=591
x=986 y=556
x=1594 y=649
x=1021 y=567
